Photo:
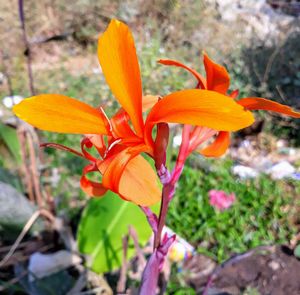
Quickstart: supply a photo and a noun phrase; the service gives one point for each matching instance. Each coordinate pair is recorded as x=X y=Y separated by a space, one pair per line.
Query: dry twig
x=24 y=231
x=121 y=286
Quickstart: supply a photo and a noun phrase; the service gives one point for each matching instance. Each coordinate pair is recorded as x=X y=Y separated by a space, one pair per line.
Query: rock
x=43 y=265
x=197 y=270
x=244 y=172
x=10 y=101
x=15 y=211
x=257 y=15
x=281 y=170
x=296 y=176
x=59 y=283
x=274 y=265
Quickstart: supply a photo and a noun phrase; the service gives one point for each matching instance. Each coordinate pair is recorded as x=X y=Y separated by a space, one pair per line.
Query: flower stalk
x=161 y=245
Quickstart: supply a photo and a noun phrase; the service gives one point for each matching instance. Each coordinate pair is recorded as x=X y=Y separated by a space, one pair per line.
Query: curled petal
x=86 y=143
x=218 y=147
x=201 y=80
x=200 y=108
x=91 y=188
x=98 y=142
x=131 y=176
x=59 y=113
x=118 y=59
x=217 y=76
x=257 y=103
x=120 y=125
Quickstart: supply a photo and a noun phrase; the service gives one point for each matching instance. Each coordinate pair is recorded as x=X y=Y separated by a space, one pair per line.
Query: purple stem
x=154 y=266
x=151 y=217
x=150 y=274
x=156 y=260
x=161 y=246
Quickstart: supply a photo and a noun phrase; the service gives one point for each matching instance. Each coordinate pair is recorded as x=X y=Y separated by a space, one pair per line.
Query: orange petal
x=149 y=101
x=59 y=113
x=132 y=177
x=118 y=59
x=217 y=76
x=234 y=94
x=98 y=142
x=91 y=188
x=257 y=103
x=200 y=78
x=218 y=147
x=120 y=126
x=200 y=108
x=113 y=166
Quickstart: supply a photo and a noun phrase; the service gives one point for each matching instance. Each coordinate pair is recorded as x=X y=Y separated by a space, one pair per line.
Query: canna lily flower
x=218 y=80
x=121 y=140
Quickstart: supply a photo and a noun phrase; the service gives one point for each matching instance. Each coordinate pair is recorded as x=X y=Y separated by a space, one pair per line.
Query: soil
x=274 y=271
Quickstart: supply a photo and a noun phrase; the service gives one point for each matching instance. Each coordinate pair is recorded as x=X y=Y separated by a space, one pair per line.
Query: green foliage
x=273 y=72
x=103 y=224
x=251 y=291
x=10 y=178
x=297 y=251
x=262 y=214
x=9 y=136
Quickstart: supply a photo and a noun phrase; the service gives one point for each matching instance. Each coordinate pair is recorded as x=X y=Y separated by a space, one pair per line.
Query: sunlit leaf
x=103 y=224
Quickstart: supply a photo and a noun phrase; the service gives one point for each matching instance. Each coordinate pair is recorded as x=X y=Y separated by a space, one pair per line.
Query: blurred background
x=258 y=43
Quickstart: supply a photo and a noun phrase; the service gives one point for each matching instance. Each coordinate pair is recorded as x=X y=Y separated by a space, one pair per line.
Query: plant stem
x=161 y=246
x=27 y=47
x=167 y=194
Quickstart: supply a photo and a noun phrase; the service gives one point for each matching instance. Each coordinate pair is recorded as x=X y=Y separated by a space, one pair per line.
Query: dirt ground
x=274 y=271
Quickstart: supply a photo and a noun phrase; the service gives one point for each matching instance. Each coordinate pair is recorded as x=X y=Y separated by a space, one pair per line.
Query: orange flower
x=123 y=169
x=218 y=80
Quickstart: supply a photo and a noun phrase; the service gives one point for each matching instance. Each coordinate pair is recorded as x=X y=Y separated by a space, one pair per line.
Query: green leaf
x=297 y=251
x=11 y=178
x=103 y=224
x=10 y=138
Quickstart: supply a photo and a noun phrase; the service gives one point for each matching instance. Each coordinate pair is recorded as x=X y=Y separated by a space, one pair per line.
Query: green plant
x=262 y=214
x=103 y=224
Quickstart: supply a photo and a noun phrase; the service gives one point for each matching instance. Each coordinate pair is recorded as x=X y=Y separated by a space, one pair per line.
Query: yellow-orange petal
x=257 y=103
x=200 y=108
x=149 y=101
x=168 y=62
x=217 y=76
x=118 y=59
x=132 y=177
x=59 y=113
x=218 y=147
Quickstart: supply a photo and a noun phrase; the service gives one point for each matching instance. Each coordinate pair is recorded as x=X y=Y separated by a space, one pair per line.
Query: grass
x=264 y=213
